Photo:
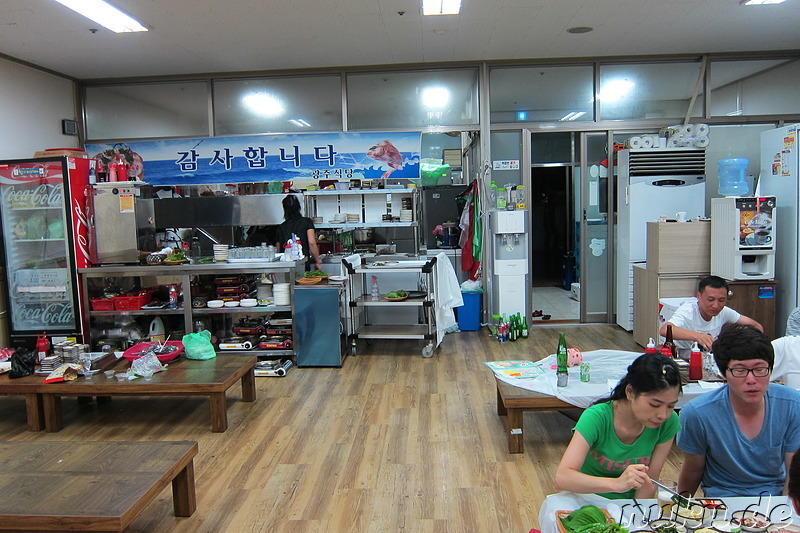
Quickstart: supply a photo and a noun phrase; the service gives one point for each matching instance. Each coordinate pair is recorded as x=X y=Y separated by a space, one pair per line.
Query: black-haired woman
x=623 y=440
x=302 y=227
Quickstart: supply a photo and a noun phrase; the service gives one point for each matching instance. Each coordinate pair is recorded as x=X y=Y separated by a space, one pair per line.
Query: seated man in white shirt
x=787 y=361
x=700 y=321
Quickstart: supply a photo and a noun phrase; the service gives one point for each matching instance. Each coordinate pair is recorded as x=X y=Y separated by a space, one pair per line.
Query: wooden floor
x=390 y=442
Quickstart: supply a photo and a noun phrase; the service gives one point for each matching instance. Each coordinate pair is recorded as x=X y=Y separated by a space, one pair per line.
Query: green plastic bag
x=198 y=345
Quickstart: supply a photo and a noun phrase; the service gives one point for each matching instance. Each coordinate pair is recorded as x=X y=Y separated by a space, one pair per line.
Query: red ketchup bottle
x=651 y=346
x=695 y=363
x=42 y=346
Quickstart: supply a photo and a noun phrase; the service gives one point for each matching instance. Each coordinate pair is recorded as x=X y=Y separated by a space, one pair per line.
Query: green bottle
x=524 y=328
x=561 y=361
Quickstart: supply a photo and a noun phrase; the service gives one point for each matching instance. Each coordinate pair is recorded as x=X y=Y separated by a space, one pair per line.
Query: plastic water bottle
x=376 y=295
x=493 y=194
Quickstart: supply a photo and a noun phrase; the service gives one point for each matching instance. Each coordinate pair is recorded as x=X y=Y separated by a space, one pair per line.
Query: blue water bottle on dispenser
x=731 y=173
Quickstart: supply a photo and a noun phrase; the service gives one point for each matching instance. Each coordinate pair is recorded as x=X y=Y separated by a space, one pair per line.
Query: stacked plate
x=338 y=218
x=281 y=294
x=220 y=252
x=353 y=218
x=406 y=215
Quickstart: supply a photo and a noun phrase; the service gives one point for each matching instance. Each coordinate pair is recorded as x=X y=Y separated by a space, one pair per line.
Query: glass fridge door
x=39 y=273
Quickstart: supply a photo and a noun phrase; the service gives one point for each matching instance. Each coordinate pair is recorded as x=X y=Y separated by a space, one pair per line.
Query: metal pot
x=363 y=235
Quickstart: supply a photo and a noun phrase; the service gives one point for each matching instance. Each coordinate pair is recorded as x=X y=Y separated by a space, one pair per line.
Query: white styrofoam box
x=575 y=291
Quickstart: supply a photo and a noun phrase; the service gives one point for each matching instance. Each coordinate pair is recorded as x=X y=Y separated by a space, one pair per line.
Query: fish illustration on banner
x=259 y=158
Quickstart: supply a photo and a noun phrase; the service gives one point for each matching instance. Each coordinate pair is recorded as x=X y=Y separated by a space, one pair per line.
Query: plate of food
x=667 y=526
x=784 y=527
x=309 y=280
x=396 y=296
x=752 y=521
x=588 y=514
x=316 y=274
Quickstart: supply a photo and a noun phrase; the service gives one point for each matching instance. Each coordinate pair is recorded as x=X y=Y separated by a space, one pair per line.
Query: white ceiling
x=198 y=36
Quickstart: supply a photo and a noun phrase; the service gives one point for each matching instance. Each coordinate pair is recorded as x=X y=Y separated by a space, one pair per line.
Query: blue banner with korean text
x=258 y=158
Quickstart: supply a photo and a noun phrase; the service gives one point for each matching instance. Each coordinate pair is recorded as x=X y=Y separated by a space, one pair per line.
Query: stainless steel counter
x=187 y=268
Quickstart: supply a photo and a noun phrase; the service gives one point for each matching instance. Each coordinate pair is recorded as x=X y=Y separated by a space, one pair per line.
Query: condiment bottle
x=561 y=361
x=668 y=348
x=696 y=363
x=42 y=346
x=651 y=346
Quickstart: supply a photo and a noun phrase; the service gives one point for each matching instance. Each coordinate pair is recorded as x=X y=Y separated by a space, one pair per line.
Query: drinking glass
x=665 y=497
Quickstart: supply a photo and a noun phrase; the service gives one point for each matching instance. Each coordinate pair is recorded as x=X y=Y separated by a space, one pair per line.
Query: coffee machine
x=743 y=237
x=510 y=266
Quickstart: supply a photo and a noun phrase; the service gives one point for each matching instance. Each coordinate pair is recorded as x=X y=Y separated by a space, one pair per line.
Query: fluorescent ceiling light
x=299 y=122
x=104 y=14
x=441 y=7
x=435 y=97
x=760 y=2
x=615 y=89
x=574 y=115
x=264 y=105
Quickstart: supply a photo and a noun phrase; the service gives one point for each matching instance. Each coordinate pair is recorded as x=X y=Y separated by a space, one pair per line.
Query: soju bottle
x=524 y=328
x=561 y=361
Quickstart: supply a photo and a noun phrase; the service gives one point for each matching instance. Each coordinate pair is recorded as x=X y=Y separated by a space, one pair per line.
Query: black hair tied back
x=648 y=373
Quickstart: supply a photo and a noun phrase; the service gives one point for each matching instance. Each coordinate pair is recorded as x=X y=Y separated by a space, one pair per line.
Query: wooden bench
x=514 y=401
x=91 y=486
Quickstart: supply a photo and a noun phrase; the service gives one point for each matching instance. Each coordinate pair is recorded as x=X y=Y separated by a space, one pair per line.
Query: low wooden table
x=91 y=486
x=514 y=401
x=184 y=377
x=27 y=387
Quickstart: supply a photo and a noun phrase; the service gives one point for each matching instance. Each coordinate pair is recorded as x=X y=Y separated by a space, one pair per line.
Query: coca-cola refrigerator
x=44 y=227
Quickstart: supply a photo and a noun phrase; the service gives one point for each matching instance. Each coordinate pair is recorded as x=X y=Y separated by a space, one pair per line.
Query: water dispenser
x=510 y=251
x=731 y=174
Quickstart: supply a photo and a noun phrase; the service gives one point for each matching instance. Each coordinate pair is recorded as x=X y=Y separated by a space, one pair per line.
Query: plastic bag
x=146 y=365
x=198 y=345
x=23 y=363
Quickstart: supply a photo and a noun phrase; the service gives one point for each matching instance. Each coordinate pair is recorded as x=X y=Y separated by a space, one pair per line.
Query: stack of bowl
x=220 y=252
x=281 y=294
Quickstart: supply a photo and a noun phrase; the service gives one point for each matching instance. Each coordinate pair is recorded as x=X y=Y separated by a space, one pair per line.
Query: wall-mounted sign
x=257 y=158
x=505 y=164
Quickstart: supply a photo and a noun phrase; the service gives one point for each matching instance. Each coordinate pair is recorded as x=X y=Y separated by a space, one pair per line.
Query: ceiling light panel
x=104 y=14
x=441 y=7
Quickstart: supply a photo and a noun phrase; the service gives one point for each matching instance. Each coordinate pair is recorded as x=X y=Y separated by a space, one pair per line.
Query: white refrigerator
x=652 y=183
x=779 y=178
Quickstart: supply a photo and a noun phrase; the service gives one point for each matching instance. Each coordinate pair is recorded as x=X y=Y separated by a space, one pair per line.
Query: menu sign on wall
x=258 y=158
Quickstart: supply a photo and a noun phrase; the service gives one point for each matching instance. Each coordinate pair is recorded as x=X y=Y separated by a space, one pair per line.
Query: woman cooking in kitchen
x=303 y=228
x=622 y=442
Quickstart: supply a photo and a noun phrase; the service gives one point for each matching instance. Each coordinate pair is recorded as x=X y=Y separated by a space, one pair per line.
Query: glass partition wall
x=561 y=112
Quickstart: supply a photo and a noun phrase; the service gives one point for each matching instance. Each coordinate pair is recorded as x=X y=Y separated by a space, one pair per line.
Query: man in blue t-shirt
x=740 y=439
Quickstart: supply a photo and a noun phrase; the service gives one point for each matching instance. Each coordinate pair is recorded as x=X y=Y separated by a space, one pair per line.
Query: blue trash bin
x=469 y=314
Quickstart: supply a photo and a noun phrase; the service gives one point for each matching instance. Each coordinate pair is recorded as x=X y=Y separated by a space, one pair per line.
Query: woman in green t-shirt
x=621 y=441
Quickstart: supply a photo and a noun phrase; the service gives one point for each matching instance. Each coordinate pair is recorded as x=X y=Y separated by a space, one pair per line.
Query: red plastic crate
x=132 y=302
x=102 y=304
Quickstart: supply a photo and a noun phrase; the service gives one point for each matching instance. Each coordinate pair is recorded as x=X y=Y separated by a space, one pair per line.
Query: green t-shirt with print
x=608 y=456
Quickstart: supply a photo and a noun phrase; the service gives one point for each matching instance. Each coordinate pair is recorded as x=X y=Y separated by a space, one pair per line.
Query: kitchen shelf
x=346 y=192
x=369 y=204
x=288 y=270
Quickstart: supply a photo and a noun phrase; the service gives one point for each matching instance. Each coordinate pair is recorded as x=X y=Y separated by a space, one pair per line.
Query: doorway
x=571 y=239
x=554 y=232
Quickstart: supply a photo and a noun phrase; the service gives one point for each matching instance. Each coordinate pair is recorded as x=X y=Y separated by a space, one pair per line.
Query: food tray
x=135 y=351
x=132 y=303
x=396 y=299
x=175 y=262
x=102 y=304
x=562 y=514
x=309 y=281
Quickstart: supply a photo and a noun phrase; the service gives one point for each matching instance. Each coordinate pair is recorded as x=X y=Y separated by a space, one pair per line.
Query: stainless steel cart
x=361 y=302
